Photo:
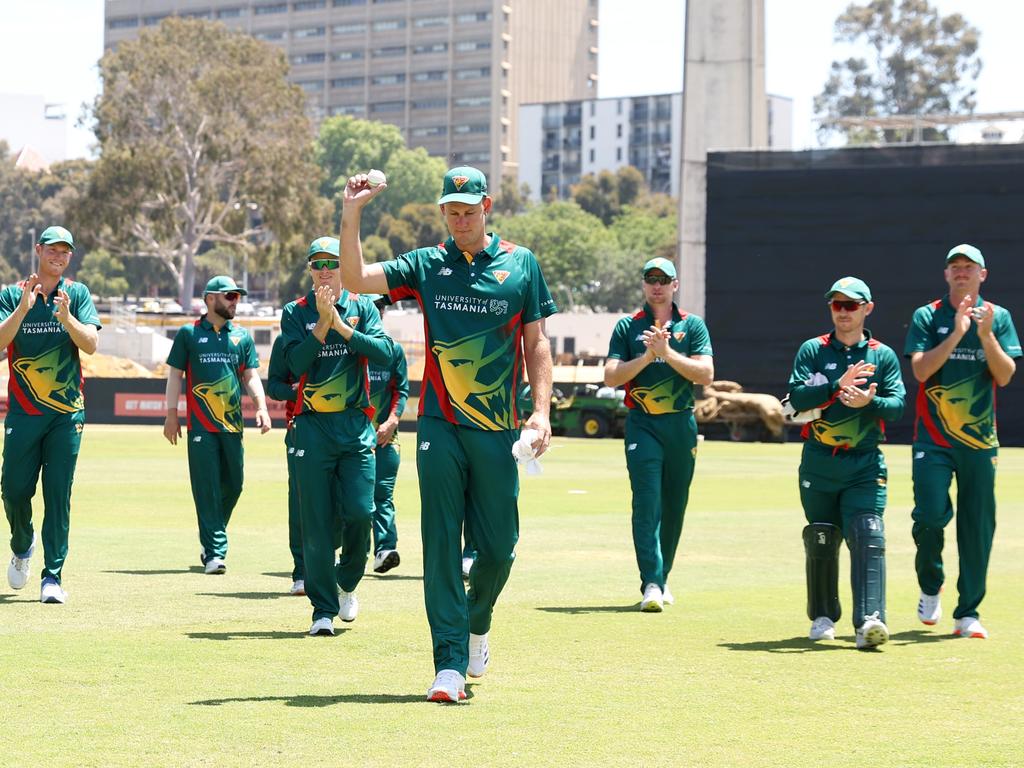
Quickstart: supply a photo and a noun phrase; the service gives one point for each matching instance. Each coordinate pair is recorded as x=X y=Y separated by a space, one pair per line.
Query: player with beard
x=217 y=358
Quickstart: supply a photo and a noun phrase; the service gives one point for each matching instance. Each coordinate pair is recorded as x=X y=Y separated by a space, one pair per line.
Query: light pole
x=250 y=218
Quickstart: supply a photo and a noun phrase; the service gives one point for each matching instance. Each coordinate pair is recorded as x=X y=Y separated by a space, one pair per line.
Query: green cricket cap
x=464 y=184
x=853 y=287
x=223 y=284
x=328 y=245
x=664 y=265
x=969 y=251
x=57 y=235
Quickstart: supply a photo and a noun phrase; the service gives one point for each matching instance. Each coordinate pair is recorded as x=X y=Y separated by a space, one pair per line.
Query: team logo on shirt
x=51 y=379
x=223 y=402
x=444 y=271
x=679 y=335
x=848 y=432
x=331 y=395
x=659 y=398
x=501 y=275
x=353 y=321
x=955 y=406
x=235 y=340
x=477 y=372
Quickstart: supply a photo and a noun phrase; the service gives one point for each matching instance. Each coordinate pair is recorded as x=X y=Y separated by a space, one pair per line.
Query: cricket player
x=46 y=322
x=282 y=386
x=484 y=301
x=217 y=359
x=659 y=353
x=851 y=384
x=389 y=391
x=330 y=335
x=961 y=348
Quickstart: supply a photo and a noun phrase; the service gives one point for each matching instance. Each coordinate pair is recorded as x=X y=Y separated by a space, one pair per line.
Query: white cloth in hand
x=523 y=453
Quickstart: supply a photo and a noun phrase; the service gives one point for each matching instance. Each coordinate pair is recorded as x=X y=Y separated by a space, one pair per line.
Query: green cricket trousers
x=975 y=470
x=660 y=455
x=334 y=470
x=215 y=470
x=47 y=443
x=385 y=532
x=294 y=519
x=467 y=476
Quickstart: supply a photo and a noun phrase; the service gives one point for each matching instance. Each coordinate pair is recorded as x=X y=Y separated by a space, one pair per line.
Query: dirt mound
x=99 y=366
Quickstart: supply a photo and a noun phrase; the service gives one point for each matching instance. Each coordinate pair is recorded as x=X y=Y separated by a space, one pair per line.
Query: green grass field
x=154 y=663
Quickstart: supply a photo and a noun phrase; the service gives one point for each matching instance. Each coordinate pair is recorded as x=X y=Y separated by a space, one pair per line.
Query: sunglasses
x=325 y=264
x=849 y=306
x=657 y=279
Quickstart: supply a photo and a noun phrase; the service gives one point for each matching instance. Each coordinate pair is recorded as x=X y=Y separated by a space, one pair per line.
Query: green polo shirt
x=332 y=375
x=213 y=363
x=473 y=316
x=45 y=369
x=389 y=386
x=840 y=426
x=957 y=405
x=658 y=388
x=280 y=380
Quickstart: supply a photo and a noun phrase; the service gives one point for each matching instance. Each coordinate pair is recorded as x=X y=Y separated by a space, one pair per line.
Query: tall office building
x=560 y=142
x=450 y=74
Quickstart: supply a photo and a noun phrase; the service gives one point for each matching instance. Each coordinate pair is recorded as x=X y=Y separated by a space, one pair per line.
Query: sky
x=640 y=52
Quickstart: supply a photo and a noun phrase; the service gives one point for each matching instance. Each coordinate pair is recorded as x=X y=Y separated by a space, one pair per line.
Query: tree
x=347 y=146
x=202 y=142
x=103 y=273
x=512 y=197
x=605 y=194
x=920 y=63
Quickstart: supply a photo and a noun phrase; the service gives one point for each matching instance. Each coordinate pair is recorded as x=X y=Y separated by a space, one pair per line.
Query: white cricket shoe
x=479 y=655
x=823 y=628
x=449 y=686
x=349 y=605
x=667 y=597
x=51 y=592
x=215 y=565
x=929 y=608
x=872 y=633
x=969 y=626
x=467 y=565
x=385 y=560
x=322 y=627
x=18 y=570
x=298 y=587
x=653 y=600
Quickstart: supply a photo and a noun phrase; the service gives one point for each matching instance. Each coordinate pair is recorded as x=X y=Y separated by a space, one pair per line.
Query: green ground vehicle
x=589 y=411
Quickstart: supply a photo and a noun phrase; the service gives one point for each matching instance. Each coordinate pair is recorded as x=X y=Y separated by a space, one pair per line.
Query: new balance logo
x=943 y=329
x=919 y=455
x=197 y=439
x=203 y=340
x=425 y=446
x=805 y=483
x=310 y=326
x=830 y=367
x=300 y=453
x=9 y=430
x=631 y=447
x=291 y=451
x=444 y=271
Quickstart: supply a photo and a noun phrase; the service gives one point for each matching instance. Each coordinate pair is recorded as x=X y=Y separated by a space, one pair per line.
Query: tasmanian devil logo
x=848 y=432
x=679 y=335
x=51 y=380
x=501 y=275
x=331 y=395
x=353 y=321
x=476 y=372
x=459 y=181
x=955 y=406
x=223 y=402
x=658 y=398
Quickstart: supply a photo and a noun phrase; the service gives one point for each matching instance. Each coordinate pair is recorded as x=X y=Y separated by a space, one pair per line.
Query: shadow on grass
x=280 y=575
x=326 y=701
x=392 y=577
x=914 y=636
x=18 y=599
x=161 y=572
x=255 y=635
x=787 y=645
x=578 y=610
x=248 y=595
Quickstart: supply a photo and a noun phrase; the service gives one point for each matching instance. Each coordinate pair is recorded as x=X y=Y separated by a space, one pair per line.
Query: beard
x=224 y=311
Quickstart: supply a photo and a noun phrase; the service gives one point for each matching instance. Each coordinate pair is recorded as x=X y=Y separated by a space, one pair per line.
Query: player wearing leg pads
x=821 y=546
x=851 y=383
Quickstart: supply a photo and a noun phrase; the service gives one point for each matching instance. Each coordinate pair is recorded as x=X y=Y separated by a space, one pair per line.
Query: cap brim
x=458 y=197
x=54 y=242
x=241 y=291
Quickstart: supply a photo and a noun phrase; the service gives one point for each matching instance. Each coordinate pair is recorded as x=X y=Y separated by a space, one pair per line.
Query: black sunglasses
x=325 y=264
x=657 y=279
x=231 y=295
x=849 y=306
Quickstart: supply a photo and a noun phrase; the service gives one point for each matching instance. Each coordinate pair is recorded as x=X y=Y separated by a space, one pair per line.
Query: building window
x=618 y=131
x=389 y=52
x=196 y=15
x=309 y=5
x=230 y=13
x=126 y=22
x=348 y=109
x=472 y=74
x=432 y=75
x=263 y=10
x=305 y=32
x=431 y=21
x=473 y=45
x=150 y=21
x=387 y=24
x=593 y=130
x=349 y=29
x=473 y=157
x=473 y=101
x=592 y=156
x=593 y=108
x=473 y=18
x=309 y=58
x=431 y=48
x=474 y=128
x=395 y=79
x=347 y=55
x=432 y=130
x=388 y=106
x=311 y=86
x=348 y=82
x=618 y=154
x=261 y=335
x=618 y=107
x=269 y=34
x=430 y=104
x=341 y=3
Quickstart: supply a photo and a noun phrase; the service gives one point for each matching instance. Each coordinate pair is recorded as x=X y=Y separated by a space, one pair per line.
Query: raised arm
x=356 y=275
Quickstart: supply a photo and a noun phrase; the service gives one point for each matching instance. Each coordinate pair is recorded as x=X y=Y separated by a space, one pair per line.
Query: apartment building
x=451 y=74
